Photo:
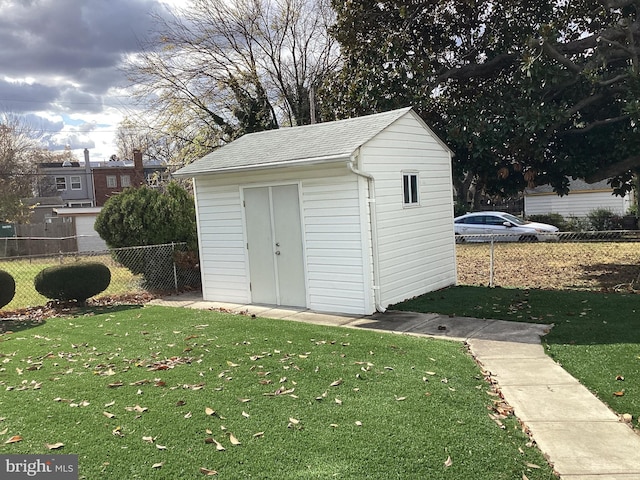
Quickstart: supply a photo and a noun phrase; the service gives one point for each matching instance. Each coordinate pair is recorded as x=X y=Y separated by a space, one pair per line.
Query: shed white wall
x=337 y=271
x=416 y=243
x=577 y=204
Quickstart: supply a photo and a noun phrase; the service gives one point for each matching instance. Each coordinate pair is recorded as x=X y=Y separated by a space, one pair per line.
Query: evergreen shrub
x=78 y=281
x=554 y=219
x=7 y=288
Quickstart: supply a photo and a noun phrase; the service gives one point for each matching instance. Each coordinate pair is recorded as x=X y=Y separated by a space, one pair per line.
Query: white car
x=502 y=227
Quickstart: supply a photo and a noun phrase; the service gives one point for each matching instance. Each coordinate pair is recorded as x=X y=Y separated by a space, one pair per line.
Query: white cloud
x=61 y=63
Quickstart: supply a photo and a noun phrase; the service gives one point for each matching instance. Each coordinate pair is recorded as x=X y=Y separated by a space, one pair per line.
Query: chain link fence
x=607 y=260
x=157 y=269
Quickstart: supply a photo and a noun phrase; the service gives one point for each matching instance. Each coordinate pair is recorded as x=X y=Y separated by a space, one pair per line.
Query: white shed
x=347 y=216
x=582 y=199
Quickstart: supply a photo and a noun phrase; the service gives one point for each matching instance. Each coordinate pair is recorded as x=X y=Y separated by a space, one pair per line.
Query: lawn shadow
x=14 y=325
x=578 y=317
x=610 y=275
x=35 y=316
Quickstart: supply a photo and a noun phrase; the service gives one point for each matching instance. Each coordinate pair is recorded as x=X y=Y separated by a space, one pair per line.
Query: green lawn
x=146 y=392
x=595 y=337
x=24 y=271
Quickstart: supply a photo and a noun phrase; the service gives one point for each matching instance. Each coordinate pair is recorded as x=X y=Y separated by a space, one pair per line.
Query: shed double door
x=274 y=242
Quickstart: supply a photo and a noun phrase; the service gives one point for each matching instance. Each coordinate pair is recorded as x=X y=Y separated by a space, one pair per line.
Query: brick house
x=114 y=176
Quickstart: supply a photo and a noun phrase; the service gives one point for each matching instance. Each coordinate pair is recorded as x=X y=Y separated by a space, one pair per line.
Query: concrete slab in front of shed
x=326 y=319
x=459 y=328
x=499 y=349
x=519 y=332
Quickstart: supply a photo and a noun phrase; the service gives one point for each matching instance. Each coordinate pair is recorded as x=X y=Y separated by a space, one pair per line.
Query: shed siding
x=332 y=234
x=88 y=238
x=222 y=244
x=577 y=204
x=335 y=271
x=416 y=243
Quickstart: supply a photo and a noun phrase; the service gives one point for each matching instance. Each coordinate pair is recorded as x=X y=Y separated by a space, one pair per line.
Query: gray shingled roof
x=307 y=144
x=577 y=185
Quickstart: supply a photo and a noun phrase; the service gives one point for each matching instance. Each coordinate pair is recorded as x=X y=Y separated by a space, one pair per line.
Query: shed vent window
x=410 y=188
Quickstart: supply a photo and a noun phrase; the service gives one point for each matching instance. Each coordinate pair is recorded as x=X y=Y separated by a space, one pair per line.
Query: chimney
x=138 y=168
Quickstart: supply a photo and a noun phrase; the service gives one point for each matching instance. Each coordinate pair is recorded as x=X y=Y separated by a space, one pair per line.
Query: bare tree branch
x=618 y=168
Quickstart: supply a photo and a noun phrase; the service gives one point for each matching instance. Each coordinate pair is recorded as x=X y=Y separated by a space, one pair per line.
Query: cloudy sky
x=60 y=66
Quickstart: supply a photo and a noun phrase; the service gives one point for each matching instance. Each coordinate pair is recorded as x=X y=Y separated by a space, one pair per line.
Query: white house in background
x=88 y=239
x=348 y=216
x=582 y=198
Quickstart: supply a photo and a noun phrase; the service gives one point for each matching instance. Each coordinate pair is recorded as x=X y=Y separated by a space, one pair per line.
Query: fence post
x=491 y=265
x=175 y=270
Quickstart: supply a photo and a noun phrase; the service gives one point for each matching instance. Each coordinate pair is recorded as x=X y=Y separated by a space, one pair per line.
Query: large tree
x=17 y=168
x=217 y=70
x=524 y=92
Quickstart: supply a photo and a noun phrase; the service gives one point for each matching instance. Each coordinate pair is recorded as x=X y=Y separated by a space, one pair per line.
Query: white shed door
x=274 y=240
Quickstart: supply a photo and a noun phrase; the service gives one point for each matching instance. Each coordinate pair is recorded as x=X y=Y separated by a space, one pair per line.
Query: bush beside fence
x=164 y=264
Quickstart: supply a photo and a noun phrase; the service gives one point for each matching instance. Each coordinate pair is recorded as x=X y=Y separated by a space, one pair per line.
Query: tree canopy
x=218 y=70
x=525 y=93
x=19 y=153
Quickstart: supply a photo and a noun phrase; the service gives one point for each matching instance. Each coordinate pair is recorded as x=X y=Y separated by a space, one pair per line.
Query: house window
x=125 y=181
x=410 y=189
x=112 y=181
x=61 y=183
x=76 y=183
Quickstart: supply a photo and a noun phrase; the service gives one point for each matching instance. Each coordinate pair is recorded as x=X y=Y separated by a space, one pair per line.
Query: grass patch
x=305 y=401
x=596 y=336
x=24 y=271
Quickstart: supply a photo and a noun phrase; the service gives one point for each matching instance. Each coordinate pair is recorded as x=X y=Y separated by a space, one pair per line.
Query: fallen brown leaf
x=157 y=465
x=208 y=472
x=54 y=446
x=219 y=446
x=448 y=462
x=14 y=439
x=233 y=439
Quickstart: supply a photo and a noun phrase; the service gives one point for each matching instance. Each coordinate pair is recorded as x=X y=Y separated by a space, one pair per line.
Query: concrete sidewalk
x=580 y=436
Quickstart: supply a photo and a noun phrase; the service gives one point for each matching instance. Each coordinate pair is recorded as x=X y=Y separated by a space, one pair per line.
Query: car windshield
x=514 y=219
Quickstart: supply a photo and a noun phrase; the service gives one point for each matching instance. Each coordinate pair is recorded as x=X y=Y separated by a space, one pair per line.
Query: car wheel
x=528 y=238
